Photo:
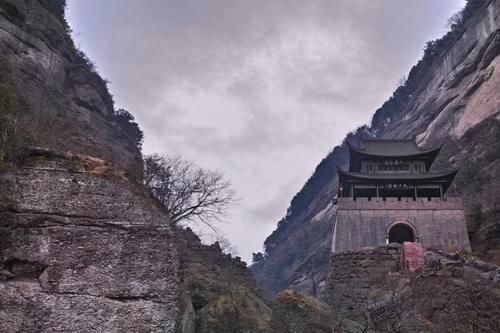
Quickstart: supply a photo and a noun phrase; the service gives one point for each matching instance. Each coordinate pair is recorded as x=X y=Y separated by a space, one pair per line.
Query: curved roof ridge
x=385 y=139
x=390 y=147
x=427 y=175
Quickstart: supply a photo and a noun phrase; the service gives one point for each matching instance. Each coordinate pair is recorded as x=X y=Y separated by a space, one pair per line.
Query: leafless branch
x=188 y=192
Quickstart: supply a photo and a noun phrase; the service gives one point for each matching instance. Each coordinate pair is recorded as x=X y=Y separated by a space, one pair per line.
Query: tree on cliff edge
x=188 y=192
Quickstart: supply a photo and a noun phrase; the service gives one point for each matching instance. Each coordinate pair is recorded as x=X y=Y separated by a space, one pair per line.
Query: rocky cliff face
x=69 y=104
x=83 y=247
x=81 y=250
x=450 y=98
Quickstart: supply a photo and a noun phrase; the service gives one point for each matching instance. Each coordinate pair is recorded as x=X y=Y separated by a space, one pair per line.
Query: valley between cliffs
x=84 y=247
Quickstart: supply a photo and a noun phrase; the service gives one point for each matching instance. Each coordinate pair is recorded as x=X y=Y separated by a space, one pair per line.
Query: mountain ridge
x=447 y=99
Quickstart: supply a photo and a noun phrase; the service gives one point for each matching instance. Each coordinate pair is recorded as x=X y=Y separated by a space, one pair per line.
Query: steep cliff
x=449 y=98
x=67 y=105
x=83 y=248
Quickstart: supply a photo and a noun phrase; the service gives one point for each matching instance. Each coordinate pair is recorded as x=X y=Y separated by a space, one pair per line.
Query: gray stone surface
x=357 y=279
x=437 y=259
x=453 y=293
x=437 y=223
x=80 y=250
x=65 y=93
x=83 y=253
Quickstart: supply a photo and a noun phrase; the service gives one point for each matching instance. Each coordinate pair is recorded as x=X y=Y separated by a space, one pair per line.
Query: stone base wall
x=374 y=288
x=83 y=253
x=436 y=223
x=355 y=279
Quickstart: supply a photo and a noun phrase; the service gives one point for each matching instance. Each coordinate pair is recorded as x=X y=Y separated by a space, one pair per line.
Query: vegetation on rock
x=218 y=291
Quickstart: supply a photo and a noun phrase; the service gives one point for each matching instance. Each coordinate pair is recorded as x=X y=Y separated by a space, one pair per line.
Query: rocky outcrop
x=437 y=259
x=59 y=84
x=449 y=99
x=82 y=250
x=218 y=291
x=452 y=293
x=370 y=291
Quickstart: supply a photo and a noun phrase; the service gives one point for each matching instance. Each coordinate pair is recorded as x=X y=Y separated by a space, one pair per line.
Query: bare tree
x=396 y=314
x=188 y=192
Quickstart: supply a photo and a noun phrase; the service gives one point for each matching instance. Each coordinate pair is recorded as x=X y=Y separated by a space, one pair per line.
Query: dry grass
x=239 y=309
x=290 y=296
x=97 y=167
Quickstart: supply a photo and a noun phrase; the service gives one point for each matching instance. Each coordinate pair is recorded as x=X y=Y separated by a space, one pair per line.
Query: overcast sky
x=261 y=90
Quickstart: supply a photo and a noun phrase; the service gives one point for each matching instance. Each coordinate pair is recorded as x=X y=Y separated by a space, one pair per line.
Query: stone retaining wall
x=356 y=278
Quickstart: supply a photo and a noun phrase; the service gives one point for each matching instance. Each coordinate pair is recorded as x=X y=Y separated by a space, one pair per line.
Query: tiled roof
x=386 y=147
x=399 y=176
x=390 y=147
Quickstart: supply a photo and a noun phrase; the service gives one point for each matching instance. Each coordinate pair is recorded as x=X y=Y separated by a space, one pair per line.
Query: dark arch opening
x=400 y=233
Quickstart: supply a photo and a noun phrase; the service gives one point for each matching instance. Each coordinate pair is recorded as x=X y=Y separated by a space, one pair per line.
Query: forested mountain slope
x=451 y=97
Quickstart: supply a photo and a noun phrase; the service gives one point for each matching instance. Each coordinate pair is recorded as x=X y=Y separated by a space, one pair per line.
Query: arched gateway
x=401 y=232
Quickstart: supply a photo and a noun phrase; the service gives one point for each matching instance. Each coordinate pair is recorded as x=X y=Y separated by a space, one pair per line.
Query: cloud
x=271 y=208
x=260 y=90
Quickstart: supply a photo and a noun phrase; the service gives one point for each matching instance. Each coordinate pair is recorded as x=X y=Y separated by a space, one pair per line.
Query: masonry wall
x=438 y=223
x=355 y=279
x=441 y=297
x=83 y=253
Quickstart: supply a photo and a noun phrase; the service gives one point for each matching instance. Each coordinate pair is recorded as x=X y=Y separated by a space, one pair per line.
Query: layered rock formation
x=82 y=248
x=83 y=251
x=450 y=98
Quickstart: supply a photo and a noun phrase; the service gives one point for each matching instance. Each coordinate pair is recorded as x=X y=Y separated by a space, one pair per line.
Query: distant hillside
x=450 y=97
